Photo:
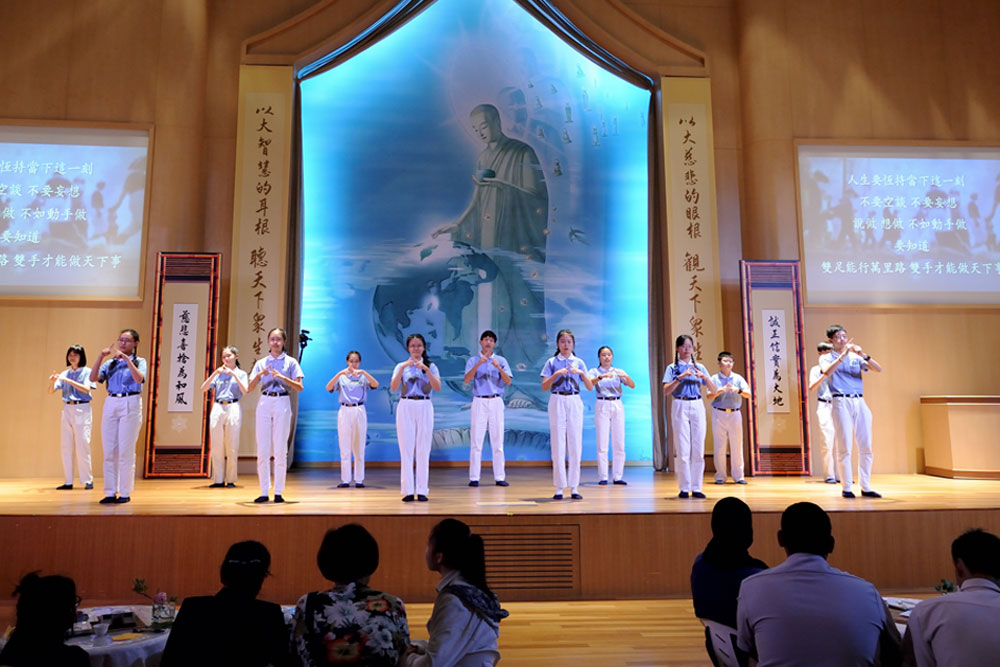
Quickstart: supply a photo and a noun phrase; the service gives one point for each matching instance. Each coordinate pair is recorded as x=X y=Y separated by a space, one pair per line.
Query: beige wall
x=781 y=69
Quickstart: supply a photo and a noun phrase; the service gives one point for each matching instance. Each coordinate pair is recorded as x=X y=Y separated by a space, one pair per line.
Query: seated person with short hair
x=961 y=628
x=46 y=609
x=720 y=569
x=804 y=612
x=350 y=623
x=231 y=627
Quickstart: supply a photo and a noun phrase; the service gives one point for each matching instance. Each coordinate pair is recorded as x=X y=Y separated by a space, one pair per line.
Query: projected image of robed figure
x=507 y=219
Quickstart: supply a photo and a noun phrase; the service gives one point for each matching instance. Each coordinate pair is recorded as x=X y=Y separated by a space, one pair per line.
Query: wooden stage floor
x=619 y=542
x=314 y=492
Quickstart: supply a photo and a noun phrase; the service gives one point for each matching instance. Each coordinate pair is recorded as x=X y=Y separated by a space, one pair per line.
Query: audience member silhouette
x=46 y=609
x=231 y=627
x=350 y=623
x=720 y=569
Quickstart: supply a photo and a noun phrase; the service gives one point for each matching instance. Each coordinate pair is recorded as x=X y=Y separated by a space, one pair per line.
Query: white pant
x=727 y=426
x=687 y=419
x=486 y=413
x=76 y=423
x=414 y=429
x=852 y=422
x=352 y=429
x=566 y=437
x=224 y=425
x=120 y=424
x=824 y=415
x=609 y=420
x=274 y=423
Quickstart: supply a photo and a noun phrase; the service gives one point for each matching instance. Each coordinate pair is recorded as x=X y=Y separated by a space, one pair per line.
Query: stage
x=619 y=542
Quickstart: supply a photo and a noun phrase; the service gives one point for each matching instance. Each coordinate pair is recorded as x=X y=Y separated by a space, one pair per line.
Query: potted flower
x=164 y=607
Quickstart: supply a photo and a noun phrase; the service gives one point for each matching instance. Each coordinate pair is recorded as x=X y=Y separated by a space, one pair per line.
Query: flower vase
x=163 y=614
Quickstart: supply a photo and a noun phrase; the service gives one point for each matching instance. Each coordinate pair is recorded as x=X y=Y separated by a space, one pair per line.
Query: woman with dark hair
x=278 y=373
x=350 y=623
x=46 y=609
x=353 y=384
x=77 y=419
x=562 y=375
x=415 y=379
x=121 y=419
x=725 y=563
x=231 y=627
x=684 y=380
x=465 y=623
x=228 y=383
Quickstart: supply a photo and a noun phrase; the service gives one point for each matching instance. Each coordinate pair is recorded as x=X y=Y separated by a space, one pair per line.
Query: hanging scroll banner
x=772 y=332
x=260 y=226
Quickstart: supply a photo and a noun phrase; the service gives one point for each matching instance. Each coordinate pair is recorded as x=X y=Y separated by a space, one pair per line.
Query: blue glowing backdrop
x=472 y=171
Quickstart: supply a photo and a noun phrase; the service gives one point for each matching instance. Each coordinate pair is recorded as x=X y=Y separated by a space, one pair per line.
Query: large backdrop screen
x=900 y=224
x=72 y=207
x=423 y=214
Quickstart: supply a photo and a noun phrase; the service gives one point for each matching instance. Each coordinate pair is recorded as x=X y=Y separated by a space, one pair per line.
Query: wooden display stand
x=960 y=436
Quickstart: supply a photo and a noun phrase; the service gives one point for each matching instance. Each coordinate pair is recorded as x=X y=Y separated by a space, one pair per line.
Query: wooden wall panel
x=620 y=556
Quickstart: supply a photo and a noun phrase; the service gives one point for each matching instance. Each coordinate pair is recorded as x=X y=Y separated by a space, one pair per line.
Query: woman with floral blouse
x=350 y=623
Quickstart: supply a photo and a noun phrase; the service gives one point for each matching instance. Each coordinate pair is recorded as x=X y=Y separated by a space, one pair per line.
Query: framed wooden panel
x=772 y=334
x=186 y=315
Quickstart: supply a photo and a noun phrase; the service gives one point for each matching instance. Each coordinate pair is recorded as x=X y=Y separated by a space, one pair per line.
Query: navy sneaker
x=621 y=482
x=682 y=494
x=474 y=482
x=697 y=494
x=848 y=494
x=408 y=499
x=871 y=494
x=421 y=498
x=501 y=482
x=261 y=499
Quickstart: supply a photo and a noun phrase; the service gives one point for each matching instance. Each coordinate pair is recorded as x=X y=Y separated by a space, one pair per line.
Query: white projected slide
x=72 y=211
x=900 y=224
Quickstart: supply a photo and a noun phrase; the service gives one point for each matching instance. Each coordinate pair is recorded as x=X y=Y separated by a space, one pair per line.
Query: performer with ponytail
x=416 y=378
x=609 y=416
x=684 y=379
x=465 y=623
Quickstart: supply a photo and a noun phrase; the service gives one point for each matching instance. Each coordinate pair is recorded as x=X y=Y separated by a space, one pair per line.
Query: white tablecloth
x=146 y=650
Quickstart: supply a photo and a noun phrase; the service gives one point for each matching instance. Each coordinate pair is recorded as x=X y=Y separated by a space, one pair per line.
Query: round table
x=145 y=650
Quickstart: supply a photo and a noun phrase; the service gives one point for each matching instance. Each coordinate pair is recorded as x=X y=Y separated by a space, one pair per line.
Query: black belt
x=275 y=393
x=128 y=393
x=823 y=400
x=726 y=409
x=235 y=400
x=75 y=402
x=416 y=398
x=609 y=398
x=566 y=393
x=688 y=398
x=490 y=396
x=847 y=395
x=352 y=405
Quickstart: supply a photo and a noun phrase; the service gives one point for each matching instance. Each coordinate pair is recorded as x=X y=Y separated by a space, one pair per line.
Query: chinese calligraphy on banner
x=183 y=369
x=260 y=236
x=695 y=293
x=776 y=395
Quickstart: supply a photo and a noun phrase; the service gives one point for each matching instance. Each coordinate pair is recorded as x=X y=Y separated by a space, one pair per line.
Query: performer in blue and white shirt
x=562 y=375
x=489 y=374
x=352 y=384
x=77 y=419
x=121 y=421
x=277 y=373
x=609 y=416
